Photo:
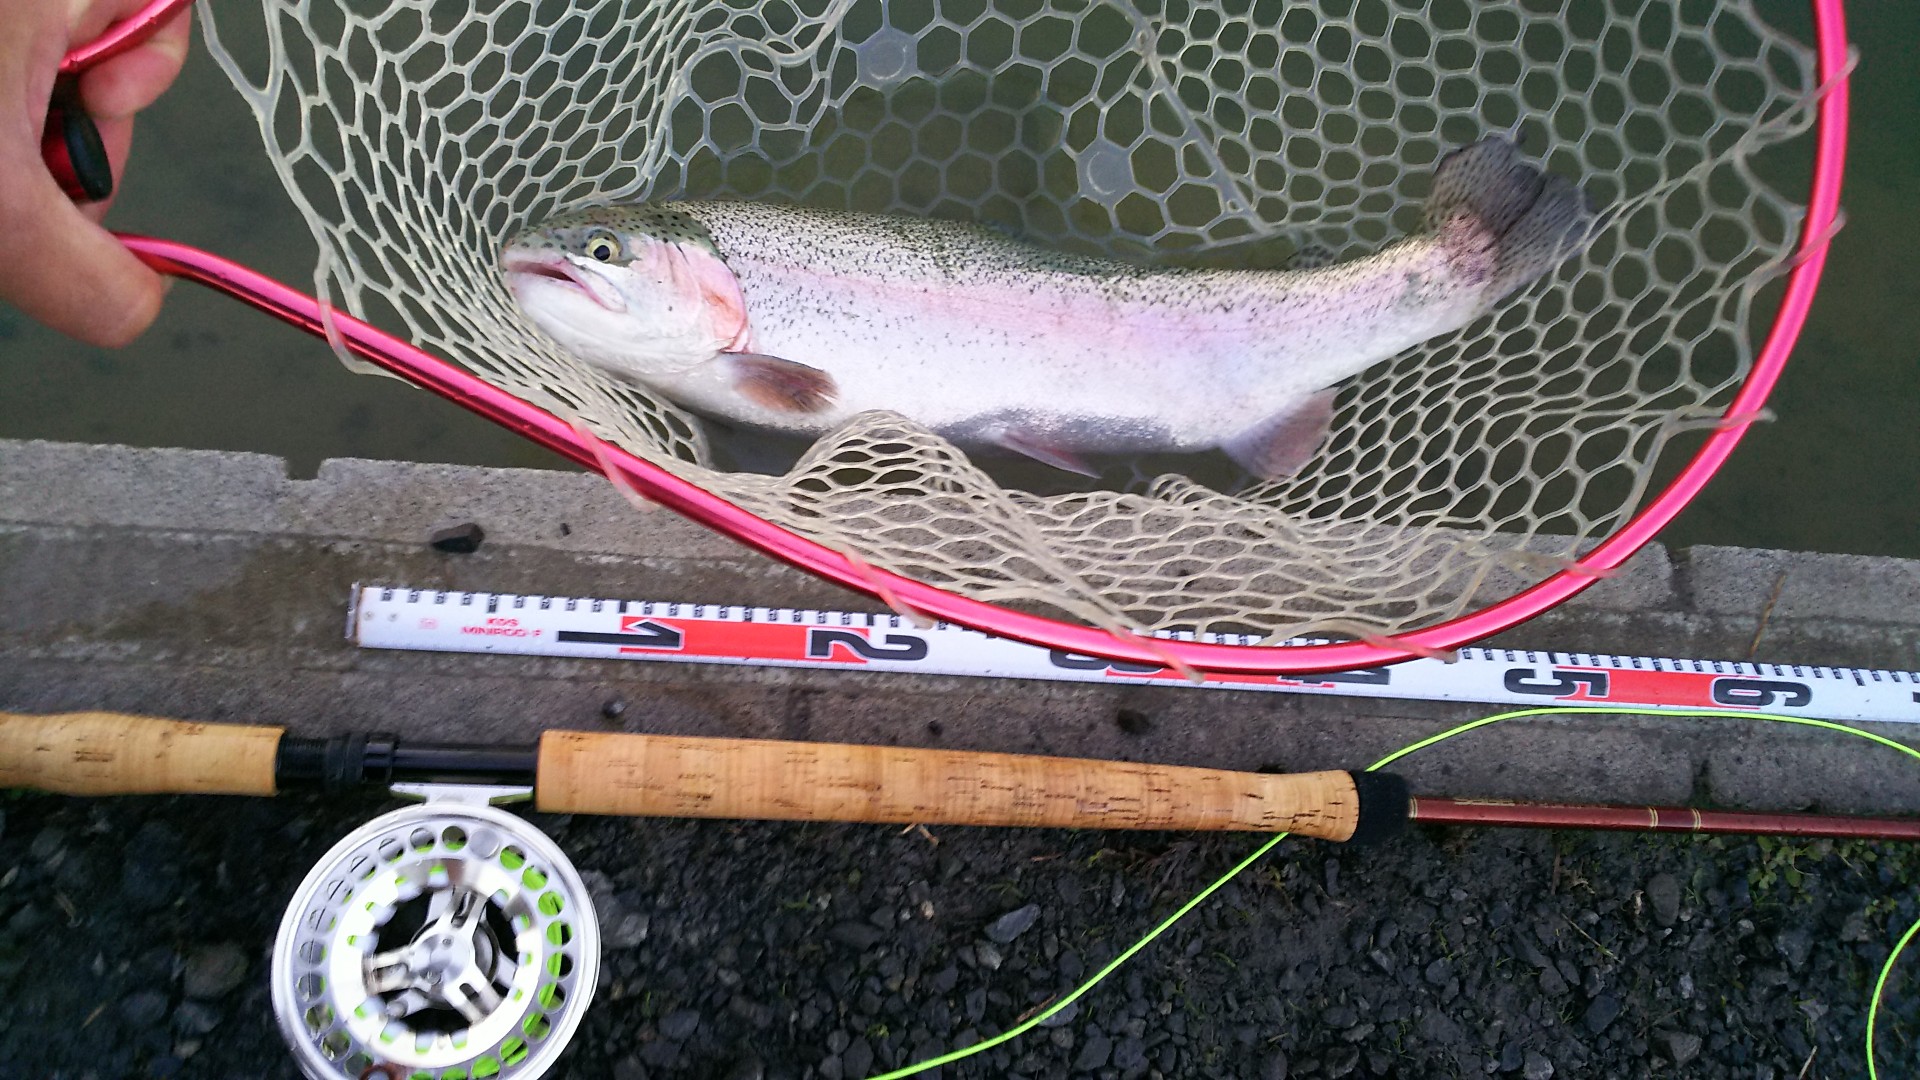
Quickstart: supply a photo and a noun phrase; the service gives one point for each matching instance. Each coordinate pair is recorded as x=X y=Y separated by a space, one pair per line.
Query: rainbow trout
x=796 y=319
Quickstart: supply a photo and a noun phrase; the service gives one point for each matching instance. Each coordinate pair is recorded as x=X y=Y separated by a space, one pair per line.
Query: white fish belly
x=985 y=340
x=1073 y=371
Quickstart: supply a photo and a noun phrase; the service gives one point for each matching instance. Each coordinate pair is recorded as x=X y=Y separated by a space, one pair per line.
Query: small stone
x=1437 y=1027
x=629 y=1068
x=748 y=1067
x=1567 y=971
x=213 y=971
x=150 y=871
x=1064 y=1017
x=613 y=708
x=1682 y=1046
x=1795 y=946
x=24 y=922
x=1342 y=1062
x=195 y=1018
x=1663 y=896
x=1601 y=1013
x=1439 y=972
x=143 y=1008
x=988 y=956
x=1131 y=1053
x=1339 y=1017
x=624 y=929
x=1537 y=1067
x=1014 y=923
x=1531 y=953
x=1854 y=928
x=660 y=1053
x=858 y=935
x=47 y=843
x=1133 y=721
x=858 y=1058
x=679 y=1025
x=1500 y=914
x=1274 y=1066
x=462 y=539
x=1094 y=1054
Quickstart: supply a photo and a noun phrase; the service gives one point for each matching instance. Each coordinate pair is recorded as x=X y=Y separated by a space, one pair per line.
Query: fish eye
x=602 y=247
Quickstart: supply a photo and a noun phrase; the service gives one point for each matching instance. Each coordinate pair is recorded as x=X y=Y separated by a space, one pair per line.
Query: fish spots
x=796 y=319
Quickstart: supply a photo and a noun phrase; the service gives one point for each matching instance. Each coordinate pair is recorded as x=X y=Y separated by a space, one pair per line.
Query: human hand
x=56 y=263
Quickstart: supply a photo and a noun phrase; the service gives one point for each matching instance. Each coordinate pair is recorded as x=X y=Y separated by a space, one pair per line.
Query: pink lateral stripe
x=455 y=384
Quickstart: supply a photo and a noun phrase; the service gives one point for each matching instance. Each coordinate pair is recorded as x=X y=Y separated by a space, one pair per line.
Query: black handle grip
x=71 y=147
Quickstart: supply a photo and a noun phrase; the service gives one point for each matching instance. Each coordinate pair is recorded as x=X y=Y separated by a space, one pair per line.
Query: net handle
x=422 y=368
x=126 y=34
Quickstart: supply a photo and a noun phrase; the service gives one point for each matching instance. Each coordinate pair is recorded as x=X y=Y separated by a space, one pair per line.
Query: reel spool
x=443 y=941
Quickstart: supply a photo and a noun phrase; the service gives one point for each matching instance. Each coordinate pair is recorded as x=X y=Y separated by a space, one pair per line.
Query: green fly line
x=1873 y=1007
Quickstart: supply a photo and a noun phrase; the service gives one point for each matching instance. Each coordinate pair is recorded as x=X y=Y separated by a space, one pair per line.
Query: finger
x=131 y=81
x=67 y=272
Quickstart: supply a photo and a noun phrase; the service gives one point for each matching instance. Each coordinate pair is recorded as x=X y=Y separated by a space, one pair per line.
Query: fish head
x=637 y=289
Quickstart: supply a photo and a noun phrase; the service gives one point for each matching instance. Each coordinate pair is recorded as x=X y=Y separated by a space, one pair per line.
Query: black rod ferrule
x=1384 y=803
x=345 y=761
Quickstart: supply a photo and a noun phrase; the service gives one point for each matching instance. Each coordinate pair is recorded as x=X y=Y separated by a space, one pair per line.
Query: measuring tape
x=483 y=622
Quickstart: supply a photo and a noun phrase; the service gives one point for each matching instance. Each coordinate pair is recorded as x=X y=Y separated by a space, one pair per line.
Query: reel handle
x=674 y=776
x=104 y=753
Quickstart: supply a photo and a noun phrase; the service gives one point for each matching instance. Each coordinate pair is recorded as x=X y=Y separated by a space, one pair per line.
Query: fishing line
x=1873 y=1008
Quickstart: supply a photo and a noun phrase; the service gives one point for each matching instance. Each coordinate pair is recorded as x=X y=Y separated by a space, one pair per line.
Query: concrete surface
x=208 y=585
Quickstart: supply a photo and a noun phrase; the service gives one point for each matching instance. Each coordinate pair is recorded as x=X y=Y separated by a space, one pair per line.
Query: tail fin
x=1529 y=219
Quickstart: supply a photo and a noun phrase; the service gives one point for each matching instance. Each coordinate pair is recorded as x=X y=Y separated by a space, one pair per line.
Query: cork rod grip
x=673 y=776
x=98 y=753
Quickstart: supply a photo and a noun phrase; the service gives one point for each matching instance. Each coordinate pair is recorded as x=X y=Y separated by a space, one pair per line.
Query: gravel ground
x=134 y=935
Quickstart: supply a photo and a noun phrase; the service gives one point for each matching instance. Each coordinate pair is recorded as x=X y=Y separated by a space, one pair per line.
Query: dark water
x=1839 y=471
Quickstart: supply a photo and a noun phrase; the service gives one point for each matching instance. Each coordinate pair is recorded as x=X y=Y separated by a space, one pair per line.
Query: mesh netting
x=416 y=137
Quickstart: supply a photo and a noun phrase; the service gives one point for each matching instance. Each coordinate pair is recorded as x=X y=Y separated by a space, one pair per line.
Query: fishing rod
x=451 y=934
x=577 y=772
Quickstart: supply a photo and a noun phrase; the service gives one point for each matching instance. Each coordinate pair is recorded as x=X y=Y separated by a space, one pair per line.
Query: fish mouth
x=525 y=267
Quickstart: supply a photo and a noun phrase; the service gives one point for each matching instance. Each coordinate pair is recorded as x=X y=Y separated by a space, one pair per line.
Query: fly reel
x=443 y=941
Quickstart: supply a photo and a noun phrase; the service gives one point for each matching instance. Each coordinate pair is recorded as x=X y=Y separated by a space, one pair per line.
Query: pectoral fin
x=1043 y=453
x=1278 y=446
x=781 y=385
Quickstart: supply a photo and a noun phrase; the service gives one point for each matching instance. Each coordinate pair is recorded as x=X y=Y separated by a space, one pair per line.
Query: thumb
x=63 y=270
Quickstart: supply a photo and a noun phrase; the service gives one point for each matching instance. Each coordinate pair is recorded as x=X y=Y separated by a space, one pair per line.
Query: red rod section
x=1678 y=819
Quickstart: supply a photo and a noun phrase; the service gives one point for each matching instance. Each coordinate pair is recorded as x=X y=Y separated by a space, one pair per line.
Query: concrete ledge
x=46 y=483
x=1802 y=585
x=210 y=586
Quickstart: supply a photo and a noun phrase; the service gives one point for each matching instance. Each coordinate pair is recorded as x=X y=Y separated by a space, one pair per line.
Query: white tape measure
x=434 y=621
